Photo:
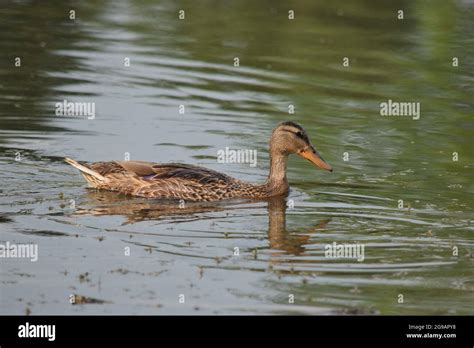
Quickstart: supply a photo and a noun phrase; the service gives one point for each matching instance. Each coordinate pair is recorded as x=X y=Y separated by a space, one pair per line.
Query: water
x=83 y=235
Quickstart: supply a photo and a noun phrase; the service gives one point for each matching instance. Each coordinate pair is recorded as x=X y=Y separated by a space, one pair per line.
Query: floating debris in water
x=124 y=271
x=79 y=299
x=84 y=277
x=255 y=254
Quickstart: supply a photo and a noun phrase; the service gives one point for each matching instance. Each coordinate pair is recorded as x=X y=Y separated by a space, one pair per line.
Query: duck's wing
x=188 y=182
x=156 y=171
x=140 y=168
x=189 y=172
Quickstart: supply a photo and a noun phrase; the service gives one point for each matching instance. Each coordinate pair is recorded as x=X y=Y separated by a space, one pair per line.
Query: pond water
x=125 y=255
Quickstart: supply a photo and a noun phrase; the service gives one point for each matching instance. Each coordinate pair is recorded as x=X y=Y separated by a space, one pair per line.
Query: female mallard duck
x=193 y=183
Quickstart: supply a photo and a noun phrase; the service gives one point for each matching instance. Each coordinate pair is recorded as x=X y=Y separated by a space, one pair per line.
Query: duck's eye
x=299 y=134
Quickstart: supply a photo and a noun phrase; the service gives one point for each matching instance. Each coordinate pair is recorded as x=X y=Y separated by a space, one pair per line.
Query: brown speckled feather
x=170 y=181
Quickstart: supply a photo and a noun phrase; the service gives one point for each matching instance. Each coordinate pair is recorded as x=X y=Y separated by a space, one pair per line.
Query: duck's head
x=289 y=137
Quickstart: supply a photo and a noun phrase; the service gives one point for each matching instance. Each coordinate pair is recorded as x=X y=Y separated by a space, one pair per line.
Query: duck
x=177 y=181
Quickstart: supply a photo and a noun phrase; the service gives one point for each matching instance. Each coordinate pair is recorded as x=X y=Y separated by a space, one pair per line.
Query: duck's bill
x=313 y=156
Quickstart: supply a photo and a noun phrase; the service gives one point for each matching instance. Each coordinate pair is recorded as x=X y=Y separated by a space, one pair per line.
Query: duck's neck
x=276 y=182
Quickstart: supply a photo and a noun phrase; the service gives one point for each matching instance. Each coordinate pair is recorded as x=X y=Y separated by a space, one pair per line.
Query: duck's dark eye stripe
x=301 y=135
x=298 y=134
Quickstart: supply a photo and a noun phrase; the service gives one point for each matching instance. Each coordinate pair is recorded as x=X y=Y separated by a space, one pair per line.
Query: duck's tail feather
x=94 y=178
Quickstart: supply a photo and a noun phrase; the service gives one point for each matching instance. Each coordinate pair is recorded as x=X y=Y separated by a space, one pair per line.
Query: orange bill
x=312 y=155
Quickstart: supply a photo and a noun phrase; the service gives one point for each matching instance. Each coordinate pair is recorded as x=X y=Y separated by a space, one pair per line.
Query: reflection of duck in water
x=192 y=183
x=279 y=237
x=108 y=203
x=137 y=210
